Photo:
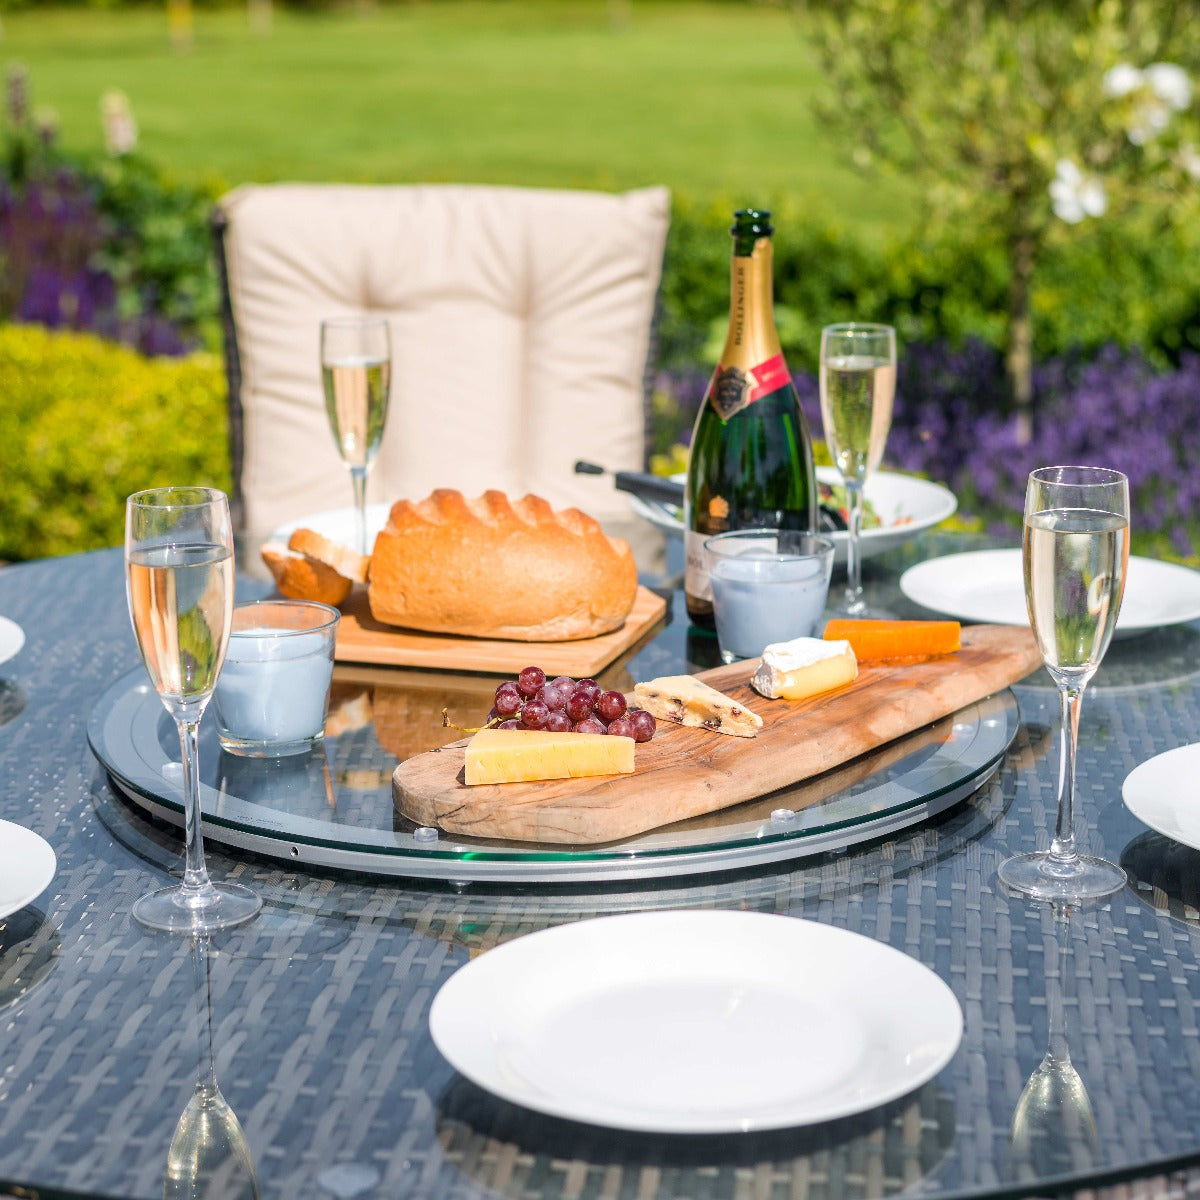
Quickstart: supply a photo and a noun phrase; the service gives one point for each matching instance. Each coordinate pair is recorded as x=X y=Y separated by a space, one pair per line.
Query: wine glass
x=356 y=373
x=179 y=584
x=208 y=1155
x=1076 y=551
x=858 y=385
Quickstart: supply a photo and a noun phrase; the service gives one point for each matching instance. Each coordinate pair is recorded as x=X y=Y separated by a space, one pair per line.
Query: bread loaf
x=311 y=567
x=487 y=567
x=299 y=577
x=342 y=559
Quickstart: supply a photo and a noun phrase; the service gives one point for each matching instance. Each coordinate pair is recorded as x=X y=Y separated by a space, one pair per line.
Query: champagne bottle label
x=734 y=388
x=696 y=581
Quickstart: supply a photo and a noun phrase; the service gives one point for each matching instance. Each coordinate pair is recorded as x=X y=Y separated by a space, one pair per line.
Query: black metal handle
x=656 y=488
x=650 y=487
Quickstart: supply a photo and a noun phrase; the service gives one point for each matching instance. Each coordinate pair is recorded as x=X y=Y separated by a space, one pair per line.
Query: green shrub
x=201 y=5
x=161 y=255
x=1115 y=282
x=108 y=243
x=85 y=423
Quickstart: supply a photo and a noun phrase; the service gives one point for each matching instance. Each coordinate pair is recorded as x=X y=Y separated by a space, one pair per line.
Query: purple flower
x=953 y=423
x=65 y=258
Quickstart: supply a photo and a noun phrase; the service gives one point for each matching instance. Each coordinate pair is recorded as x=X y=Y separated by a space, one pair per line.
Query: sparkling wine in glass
x=858 y=385
x=179 y=584
x=356 y=373
x=1076 y=553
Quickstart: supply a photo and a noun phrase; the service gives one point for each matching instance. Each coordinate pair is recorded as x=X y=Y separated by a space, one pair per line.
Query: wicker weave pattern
x=319 y=1009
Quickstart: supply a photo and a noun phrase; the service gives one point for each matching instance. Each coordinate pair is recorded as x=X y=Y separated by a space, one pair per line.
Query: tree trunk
x=1018 y=362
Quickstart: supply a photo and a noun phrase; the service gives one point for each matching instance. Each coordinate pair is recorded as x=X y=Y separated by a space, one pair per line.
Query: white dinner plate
x=27 y=865
x=905 y=505
x=696 y=1022
x=337 y=524
x=989 y=585
x=1161 y=793
x=12 y=638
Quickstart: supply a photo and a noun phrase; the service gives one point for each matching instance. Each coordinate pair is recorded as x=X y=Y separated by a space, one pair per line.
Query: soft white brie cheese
x=804 y=667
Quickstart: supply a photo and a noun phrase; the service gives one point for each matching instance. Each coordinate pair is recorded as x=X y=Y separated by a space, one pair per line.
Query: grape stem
x=449 y=724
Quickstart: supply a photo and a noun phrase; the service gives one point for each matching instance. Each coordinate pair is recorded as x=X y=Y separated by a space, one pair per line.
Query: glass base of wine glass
x=843 y=603
x=197 y=910
x=1045 y=877
x=859 y=609
x=849 y=605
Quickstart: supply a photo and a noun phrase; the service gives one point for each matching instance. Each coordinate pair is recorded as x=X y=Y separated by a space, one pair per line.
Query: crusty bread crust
x=342 y=559
x=302 y=578
x=489 y=567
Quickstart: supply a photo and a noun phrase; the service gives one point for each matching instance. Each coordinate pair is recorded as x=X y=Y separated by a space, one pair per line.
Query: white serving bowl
x=905 y=505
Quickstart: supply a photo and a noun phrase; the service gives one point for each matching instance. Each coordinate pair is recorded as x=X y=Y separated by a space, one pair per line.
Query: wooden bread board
x=362 y=639
x=684 y=773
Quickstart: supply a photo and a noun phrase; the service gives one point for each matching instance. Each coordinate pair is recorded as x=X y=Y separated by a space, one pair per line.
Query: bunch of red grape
x=566 y=705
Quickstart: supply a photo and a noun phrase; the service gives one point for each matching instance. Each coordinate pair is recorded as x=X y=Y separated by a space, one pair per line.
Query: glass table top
x=333 y=805
x=313 y=1020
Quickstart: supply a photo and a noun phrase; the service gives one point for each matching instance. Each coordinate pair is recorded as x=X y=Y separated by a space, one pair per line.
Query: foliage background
x=90 y=422
x=119 y=245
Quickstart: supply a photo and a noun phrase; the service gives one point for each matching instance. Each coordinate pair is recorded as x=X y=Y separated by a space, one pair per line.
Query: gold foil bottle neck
x=752 y=338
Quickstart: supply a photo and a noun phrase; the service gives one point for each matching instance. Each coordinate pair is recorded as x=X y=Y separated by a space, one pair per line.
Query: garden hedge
x=117 y=247
x=1113 y=282
x=85 y=422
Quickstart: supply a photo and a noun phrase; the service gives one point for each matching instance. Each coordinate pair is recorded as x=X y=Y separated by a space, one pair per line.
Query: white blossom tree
x=1021 y=118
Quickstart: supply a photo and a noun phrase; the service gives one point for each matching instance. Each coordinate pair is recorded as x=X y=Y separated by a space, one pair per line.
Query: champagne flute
x=179 y=584
x=1076 y=552
x=858 y=385
x=356 y=373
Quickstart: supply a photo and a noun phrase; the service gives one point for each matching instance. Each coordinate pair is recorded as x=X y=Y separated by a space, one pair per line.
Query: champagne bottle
x=751 y=462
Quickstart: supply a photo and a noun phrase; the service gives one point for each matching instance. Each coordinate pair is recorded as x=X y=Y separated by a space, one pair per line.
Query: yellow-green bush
x=83 y=423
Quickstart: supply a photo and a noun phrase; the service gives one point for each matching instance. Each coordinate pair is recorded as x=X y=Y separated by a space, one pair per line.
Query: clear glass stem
x=1057 y=1049
x=1062 y=848
x=206 y=1073
x=358 y=478
x=197 y=888
x=854 y=588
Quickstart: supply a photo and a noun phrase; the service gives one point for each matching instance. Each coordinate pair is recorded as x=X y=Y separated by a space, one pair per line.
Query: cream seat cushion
x=520 y=322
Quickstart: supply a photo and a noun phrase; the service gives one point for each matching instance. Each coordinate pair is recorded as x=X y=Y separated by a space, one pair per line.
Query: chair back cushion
x=520 y=323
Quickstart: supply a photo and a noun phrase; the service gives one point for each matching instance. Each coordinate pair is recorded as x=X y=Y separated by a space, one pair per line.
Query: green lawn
x=710 y=99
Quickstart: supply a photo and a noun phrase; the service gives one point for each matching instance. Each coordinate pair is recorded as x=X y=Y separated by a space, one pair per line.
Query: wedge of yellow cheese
x=518 y=755
x=803 y=668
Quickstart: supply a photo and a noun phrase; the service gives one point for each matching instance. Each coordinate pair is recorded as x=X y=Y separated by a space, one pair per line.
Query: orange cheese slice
x=879 y=641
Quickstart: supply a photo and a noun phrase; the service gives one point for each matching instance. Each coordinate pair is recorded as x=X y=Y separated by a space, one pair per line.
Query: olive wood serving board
x=684 y=773
x=362 y=639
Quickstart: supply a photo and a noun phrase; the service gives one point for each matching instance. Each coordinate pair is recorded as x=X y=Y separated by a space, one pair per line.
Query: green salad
x=833 y=496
